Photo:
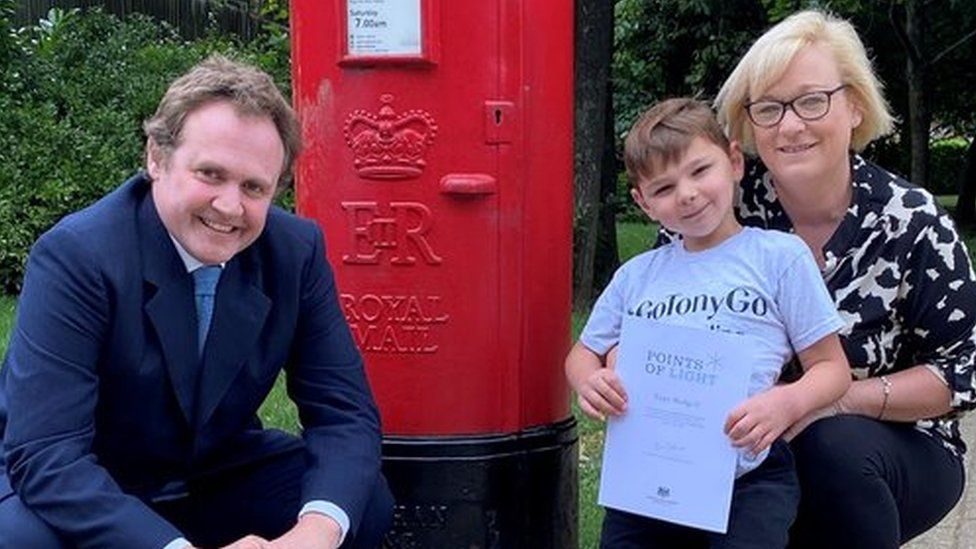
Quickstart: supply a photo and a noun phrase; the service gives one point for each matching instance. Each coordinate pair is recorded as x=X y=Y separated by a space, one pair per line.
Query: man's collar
x=189 y=261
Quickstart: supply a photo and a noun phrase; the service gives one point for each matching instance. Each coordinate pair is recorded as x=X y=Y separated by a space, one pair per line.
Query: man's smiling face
x=214 y=189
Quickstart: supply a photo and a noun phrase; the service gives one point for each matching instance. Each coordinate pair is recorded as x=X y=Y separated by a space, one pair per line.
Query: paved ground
x=958 y=529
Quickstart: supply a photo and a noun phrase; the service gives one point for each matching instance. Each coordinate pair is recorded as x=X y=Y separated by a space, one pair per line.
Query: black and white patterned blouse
x=901 y=278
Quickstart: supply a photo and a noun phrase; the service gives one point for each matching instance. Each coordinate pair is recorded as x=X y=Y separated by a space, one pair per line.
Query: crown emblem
x=387 y=145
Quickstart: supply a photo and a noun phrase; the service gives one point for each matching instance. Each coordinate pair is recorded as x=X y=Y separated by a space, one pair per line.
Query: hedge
x=74 y=93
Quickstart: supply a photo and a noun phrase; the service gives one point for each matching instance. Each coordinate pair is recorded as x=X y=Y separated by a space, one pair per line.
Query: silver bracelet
x=886 y=390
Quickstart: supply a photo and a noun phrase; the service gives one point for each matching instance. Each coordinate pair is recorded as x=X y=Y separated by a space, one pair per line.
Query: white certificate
x=668 y=457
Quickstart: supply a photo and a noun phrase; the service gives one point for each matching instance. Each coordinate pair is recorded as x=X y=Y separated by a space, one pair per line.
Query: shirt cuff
x=328 y=509
x=178 y=543
x=937 y=373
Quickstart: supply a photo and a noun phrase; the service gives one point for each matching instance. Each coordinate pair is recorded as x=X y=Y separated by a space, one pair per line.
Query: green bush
x=947 y=159
x=75 y=91
x=946 y=165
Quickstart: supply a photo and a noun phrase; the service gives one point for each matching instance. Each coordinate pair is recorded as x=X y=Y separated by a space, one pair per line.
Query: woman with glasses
x=883 y=464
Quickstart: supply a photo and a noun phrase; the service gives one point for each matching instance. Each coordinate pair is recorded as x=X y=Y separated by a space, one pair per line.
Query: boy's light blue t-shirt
x=762 y=283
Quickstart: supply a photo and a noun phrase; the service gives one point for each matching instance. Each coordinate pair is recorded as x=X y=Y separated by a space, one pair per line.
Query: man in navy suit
x=129 y=393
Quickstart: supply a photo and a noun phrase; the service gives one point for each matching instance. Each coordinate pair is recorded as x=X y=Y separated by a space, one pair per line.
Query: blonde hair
x=769 y=56
x=664 y=132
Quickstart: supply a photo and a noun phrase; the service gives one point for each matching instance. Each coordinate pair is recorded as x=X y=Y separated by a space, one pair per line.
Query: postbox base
x=517 y=490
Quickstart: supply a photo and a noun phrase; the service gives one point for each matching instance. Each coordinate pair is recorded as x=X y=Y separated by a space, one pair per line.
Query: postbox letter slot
x=468 y=184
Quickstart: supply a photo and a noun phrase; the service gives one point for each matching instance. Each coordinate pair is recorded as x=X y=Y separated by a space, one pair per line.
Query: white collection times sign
x=383 y=27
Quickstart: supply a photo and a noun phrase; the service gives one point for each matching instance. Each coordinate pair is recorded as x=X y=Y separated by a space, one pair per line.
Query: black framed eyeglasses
x=766 y=113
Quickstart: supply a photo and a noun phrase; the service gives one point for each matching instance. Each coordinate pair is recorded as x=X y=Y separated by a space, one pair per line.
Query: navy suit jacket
x=97 y=404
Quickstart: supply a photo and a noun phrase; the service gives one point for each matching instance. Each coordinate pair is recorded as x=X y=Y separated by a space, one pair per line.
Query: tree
x=953 y=25
x=668 y=48
x=912 y=34
x=930 y=86
x=685 y=41
x=594 y=115
x=966 y=205
x=922 y=51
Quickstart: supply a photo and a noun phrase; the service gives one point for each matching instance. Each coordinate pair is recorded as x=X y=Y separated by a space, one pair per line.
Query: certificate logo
x=683 y=367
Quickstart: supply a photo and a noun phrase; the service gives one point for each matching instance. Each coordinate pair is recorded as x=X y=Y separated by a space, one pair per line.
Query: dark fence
x=191 y=17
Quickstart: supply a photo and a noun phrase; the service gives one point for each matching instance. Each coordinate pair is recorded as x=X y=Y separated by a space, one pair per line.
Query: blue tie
x=205 y=286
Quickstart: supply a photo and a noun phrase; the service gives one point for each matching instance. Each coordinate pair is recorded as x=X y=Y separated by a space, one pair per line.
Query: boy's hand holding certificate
x=668 y=456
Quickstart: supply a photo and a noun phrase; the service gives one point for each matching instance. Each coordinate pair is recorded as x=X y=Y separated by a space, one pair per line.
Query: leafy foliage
x=8 y=36
x=75 y=91
x=948 y=163
x=665 y=48
x=946 y=50
x=670 y=48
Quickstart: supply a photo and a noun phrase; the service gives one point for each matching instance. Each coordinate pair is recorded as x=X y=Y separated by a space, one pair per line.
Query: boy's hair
x=250 y=90
x=664 y=132
x=771 y=54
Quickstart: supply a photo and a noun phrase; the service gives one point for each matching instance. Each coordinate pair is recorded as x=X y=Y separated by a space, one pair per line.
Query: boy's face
x=693 y=196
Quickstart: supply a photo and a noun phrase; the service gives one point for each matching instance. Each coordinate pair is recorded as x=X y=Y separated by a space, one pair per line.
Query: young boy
x=684 y=172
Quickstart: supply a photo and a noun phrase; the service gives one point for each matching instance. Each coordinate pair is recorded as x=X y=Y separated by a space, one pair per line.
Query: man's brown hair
x=250 y=90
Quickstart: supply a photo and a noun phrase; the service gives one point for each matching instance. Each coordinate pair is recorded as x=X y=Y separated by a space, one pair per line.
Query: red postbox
x=439 y=163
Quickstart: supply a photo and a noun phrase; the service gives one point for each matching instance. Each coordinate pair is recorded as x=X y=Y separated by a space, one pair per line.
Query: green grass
x=632 y=238
x=948 y=201
x=278 y=410
x=8 y=306
x=590 y=457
